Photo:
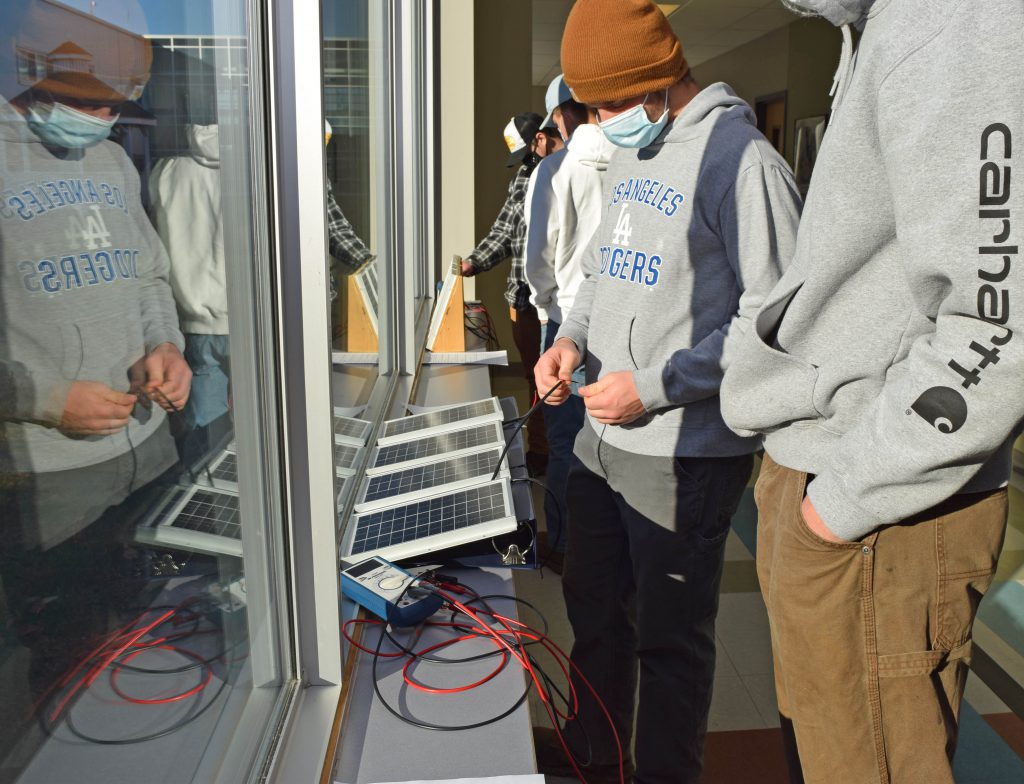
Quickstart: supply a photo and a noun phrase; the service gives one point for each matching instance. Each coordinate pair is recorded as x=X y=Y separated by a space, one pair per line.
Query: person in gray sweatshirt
x=700 y=213
x=885 y=372
x=88 y=336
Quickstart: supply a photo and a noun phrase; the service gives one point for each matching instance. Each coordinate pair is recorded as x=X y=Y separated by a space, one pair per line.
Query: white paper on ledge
x=466 y=358
x=354 y=358
x=530 y=778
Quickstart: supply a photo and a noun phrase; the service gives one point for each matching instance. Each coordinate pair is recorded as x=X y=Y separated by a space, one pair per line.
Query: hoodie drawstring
x=841 y=80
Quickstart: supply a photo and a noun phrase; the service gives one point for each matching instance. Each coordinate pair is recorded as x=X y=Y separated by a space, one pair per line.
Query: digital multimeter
x=384 y=589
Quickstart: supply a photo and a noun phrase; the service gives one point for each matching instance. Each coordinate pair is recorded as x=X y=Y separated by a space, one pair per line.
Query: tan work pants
x=871 y=639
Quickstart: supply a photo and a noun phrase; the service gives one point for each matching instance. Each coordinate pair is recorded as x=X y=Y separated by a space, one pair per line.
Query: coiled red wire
x=509 y=637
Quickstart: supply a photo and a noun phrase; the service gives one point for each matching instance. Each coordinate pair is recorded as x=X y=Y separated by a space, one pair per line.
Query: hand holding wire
x=167 y=372
x=554 y=370
x=94 y=409
x=613 y=400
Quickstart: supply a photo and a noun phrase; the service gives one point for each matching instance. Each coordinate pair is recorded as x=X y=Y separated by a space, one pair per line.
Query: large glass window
x=142 y=620
x=351 y=131
x=358 y=176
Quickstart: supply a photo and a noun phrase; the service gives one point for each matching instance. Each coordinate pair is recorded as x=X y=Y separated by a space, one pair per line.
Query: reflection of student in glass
x=346 y=248
x=88 y=332
x=185 y=194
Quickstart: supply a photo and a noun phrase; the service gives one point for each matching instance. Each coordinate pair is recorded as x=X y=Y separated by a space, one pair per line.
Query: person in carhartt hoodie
x=700 y=215
x=185 y=194
x=885 y=371
x=563 y=209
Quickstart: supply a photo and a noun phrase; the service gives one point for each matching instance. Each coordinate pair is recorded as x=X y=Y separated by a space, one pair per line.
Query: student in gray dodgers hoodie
x=699 y=216
x=887 y=371
x=87 y=322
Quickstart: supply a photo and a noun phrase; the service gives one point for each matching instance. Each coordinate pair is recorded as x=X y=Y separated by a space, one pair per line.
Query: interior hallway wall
x=814 y=47
x=755 y=69
x=456 y=139
x=502 y=46
x=800 y=58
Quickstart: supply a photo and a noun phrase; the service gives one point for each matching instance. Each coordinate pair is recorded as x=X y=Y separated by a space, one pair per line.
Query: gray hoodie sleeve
x=758 y=220
x=34 y=394
x=948 y=148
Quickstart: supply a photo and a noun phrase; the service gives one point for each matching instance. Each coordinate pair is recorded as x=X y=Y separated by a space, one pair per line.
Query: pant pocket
x=920 y=695
x=968 y=543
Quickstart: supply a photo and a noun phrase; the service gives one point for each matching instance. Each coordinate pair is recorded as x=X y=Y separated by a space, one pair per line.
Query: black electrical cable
x=558 y=510
x=153 y=736
x=550 y=686
x=183 y=422
x=532 y=408
x=183 y=668
x=424 y=724
x=198 y=618
x=488 y=610
x=482 y=329
x=475 y=598
x=521 y=421
x=204 y=664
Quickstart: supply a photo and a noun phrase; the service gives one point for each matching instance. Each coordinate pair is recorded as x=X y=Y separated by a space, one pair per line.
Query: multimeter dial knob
x=391 y=582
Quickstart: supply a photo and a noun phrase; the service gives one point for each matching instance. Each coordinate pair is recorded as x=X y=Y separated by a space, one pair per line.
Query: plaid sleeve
x=499 y=243
x=343 y=243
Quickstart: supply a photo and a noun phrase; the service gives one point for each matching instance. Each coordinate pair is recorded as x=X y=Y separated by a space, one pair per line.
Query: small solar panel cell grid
x=444 y=416
x=349 y=430
x=444 y=443
x=433 y=516
x=210 y=512
x=345 y=455
x=172 y=500
x=225 y=468
x=444 y=472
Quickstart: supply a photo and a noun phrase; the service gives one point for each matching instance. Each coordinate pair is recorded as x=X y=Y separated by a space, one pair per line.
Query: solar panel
x=366 y=282
x=440 y=420
x=345 y=457
x=196 y=518
x=448 y=473
x=434 y=523
x=348 y=430
x=342 y=485
x=221 y=472
x=225 y=468
x=426 y=449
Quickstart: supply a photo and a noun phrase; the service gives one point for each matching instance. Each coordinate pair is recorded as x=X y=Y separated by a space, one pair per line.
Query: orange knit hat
x=618 y=49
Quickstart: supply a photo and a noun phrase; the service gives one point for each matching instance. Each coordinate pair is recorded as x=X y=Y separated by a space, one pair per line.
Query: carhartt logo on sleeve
x=943 y=408
x=993 y=302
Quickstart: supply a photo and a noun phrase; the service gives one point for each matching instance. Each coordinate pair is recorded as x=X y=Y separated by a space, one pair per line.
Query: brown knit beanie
x=618 y=49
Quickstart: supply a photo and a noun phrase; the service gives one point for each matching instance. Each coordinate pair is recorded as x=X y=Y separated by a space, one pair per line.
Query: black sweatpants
x=644 y=563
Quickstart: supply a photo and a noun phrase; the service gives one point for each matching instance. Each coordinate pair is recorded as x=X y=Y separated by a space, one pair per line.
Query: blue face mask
x=633 y=128
x=62 y=126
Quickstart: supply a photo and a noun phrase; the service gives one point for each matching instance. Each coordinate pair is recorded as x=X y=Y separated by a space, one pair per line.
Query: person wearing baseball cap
x=555 y=96
x=564 y=203
x=527 y=144
x=700 y=217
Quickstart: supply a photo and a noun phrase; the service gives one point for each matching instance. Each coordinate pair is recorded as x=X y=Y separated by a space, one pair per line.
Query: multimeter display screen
x=360 y=569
